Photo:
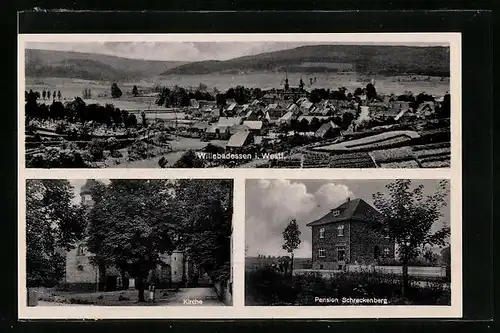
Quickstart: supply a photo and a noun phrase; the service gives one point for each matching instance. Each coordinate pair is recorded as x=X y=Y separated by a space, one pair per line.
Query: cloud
x=271 y=204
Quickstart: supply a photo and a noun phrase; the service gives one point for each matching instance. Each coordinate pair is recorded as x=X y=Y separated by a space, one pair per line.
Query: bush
x=112 y=143
x=213 y=149
x=137 y=151
x=96 y=149
x=61 y=128
x=266 y=286
x=59 y=158
x=116 y=154
x=189 y=160
x=123 y=298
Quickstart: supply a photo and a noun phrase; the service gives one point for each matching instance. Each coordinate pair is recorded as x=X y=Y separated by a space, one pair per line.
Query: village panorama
x=289 y=106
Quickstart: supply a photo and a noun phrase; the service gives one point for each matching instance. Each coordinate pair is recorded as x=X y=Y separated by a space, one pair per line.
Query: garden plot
x=378 y=141
x=392 y=155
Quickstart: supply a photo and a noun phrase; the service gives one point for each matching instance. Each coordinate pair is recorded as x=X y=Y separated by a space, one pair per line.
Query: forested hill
x=90 y=66
x=367 y=59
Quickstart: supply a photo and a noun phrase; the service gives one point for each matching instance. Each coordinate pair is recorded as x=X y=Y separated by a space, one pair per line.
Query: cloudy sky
x=175 y=51
x=271 y=204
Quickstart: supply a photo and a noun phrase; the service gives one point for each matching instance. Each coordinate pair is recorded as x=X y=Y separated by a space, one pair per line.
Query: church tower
x=86 y=194
x=177 y=264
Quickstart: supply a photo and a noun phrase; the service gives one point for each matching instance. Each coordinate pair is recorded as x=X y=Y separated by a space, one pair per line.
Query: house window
x=322 y=233
x=340 y=230
x=340 y=253
x=321 y=253
x=336 y=213
x=387 y=252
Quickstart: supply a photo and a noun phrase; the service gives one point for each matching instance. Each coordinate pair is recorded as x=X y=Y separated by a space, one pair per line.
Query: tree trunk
x=405 y=277
x=140 y=287
x=291 y=266
x=102 y=277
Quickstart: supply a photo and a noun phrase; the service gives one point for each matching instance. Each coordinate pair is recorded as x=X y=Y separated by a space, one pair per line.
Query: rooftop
x=356 y=209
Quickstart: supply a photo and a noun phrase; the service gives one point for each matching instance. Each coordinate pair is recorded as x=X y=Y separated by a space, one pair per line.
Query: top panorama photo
x=236 y=105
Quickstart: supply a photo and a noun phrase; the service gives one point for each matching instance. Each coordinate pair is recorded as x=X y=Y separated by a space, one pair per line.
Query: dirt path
x=193 y=296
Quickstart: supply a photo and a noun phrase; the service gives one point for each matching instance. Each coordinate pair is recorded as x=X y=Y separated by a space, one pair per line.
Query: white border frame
x=238 y=310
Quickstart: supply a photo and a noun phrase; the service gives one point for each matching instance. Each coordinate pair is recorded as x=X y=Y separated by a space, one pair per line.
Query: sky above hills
x=181 y=51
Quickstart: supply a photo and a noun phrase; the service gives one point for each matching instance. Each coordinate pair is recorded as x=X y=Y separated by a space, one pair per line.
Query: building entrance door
x=341 y=257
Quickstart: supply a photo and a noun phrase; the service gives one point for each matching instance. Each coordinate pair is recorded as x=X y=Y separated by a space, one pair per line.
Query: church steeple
x=287 y=86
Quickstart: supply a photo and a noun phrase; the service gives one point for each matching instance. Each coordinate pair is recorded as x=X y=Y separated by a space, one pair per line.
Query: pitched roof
x=238 y=139
x=425 y=105
x=229 y=121
x=356 y=209
x=287 y=116
x=231 y=107
x=325 y=128
x=253 y=124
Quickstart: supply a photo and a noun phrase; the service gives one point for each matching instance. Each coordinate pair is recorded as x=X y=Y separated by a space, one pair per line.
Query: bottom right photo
x=331 y=242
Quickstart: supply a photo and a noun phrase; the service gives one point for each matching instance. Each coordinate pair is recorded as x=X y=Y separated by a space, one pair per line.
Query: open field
x=387 y=85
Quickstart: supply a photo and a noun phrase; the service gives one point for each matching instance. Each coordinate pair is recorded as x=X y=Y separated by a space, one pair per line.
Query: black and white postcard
x=239 y=176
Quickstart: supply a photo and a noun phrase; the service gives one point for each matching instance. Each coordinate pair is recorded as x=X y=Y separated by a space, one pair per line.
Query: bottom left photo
x=128 y=242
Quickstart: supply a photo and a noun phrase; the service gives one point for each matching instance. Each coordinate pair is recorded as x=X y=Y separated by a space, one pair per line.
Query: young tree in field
x=129 y=227
x=53 y=224
x=371 y=92
x=54 y=94
x=44 y=94
x=135 y=91
x=291 y=235
x=407 y=218
x=115 y=91
x=59 y=95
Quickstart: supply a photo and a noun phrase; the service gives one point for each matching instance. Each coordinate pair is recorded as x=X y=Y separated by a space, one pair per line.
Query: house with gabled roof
x=255 y=126
x=346 y=235
x=239 y=140
x=426 y=109
x=327 y=130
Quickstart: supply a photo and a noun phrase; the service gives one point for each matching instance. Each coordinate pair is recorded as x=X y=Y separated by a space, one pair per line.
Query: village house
x=327 y=131
x=254 y=114
x=174 y=268
x=426 y=109
x=345 y=235
x=273 y=115
x=287 y=118
x=309 y=119
x=255 y=126
x=239 y=140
